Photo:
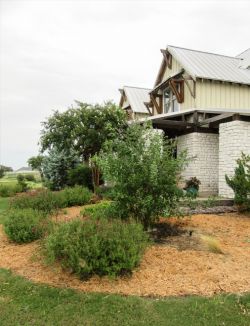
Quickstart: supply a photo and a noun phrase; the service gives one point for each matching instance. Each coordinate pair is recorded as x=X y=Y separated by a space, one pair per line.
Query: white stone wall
x=234 y=138
x=203 y=150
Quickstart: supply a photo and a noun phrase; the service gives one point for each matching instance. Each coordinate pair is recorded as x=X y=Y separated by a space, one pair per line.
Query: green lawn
x=25 y=303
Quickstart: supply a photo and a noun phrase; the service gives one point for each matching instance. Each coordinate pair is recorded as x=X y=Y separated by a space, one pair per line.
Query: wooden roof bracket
x=192 y=89
x=148 y=104
x=178 y=93
x=156 y=105
x=168 y=58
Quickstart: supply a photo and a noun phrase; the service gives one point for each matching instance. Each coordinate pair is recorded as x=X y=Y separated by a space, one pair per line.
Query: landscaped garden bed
x=180 y=264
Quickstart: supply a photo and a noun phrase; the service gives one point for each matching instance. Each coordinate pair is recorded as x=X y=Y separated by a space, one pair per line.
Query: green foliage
x=103 y=210
x=240 y=182
x=83 y=129
x=25 y=225
x=4 y=169
x=9 y=190
x=30 y=177
x=48 y=201
x=55 y=167
x=142 y=167
x=105 y=192
x=80 y=175
x=22 y=183
x=101 y=248
x=74 y=196
x=35 y=162
x=1 y=172
x=42 y=200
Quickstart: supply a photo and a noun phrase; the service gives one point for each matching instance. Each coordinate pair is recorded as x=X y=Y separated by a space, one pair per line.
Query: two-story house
x=203 y=99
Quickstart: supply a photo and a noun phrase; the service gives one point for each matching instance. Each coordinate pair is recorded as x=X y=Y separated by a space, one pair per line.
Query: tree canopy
x=83 y=129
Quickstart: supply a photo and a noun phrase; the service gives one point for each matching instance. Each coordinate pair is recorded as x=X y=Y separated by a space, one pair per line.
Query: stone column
x=203 y=151
x=234 y=138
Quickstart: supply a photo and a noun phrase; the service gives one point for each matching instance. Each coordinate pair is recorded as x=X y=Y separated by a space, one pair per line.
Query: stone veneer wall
x=204 y=149
x=234 y=138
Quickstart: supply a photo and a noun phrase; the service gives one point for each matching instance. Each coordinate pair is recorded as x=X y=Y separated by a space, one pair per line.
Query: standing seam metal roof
x=212 y=66
x=136 y=97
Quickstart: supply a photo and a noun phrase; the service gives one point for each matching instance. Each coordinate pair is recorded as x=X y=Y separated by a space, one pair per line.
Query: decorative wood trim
x=156 y=105
x=178 y=93
x=168 y=58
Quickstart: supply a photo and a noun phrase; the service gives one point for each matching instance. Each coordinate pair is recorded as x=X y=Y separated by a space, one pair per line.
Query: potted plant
x=192 y=187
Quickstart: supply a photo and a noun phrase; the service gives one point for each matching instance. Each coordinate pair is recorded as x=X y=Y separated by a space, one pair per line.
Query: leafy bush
x=105 y=192
x=77 y=195
x=25 y=225
x=48 y=201
x=240 y=182
x=102 y=248
x=8 y=190
x=144 y=172
x=30 y=177
x=80 y=175
x=104 y=210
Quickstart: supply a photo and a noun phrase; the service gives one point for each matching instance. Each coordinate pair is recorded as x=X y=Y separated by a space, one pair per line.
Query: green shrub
x=43 y=200
x=81 y=175
x=145 y=173
x=101 y=248
x=74 y=196
x=105 y=192
x=30 y=177
x=240 y=182
x=25 y=225
x=49 y=201
x=99 y=211
x=8 y=190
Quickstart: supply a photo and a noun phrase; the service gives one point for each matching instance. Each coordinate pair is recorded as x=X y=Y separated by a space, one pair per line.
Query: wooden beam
x=147 y=104
x=215 y=119
x=156 y=105
x=173 y=123
x=168 y=58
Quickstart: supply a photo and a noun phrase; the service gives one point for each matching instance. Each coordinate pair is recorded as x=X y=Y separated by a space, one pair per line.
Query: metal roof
x=136 y=97
x=213 y=66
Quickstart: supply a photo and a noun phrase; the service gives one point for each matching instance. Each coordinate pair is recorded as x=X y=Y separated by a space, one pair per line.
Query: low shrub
x=102 y=248
x=103 y=210
x=30 y=177
x=240 y=182
x=43 y=200
x=9 y=190
x=81 y=175
x=105 y=192
x=25 y=225
x=49 y=201
x=74 y=196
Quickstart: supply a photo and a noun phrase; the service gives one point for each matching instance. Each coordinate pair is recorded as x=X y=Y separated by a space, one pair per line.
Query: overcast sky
x=55 y=52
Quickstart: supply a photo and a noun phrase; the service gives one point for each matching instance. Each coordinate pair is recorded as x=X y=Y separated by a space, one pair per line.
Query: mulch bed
x=178 y=264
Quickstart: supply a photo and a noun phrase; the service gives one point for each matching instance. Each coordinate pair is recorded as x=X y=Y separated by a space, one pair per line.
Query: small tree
x=142 y=167
x=55 y=167
x=1 y=172
x=240 y=182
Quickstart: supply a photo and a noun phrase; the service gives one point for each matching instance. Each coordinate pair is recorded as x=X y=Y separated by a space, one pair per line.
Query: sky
x=53 y=52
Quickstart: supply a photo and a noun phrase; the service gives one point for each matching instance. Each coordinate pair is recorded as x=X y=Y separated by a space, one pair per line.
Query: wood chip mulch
x=180 y=265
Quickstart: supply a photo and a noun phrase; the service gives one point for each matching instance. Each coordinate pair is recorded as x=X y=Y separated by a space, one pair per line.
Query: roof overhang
x=195 y=120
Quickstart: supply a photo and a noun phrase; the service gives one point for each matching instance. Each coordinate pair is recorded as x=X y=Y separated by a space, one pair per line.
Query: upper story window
x=170 y=103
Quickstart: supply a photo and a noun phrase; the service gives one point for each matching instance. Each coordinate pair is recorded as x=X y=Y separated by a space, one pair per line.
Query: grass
x=4 y=202
x=212 y=244
x=25 y=303
x=10 y=178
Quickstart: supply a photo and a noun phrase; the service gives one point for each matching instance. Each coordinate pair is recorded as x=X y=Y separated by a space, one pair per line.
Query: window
x=170 y=103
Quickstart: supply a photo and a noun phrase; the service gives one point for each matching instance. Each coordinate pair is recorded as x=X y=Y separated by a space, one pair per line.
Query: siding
x=218 y=95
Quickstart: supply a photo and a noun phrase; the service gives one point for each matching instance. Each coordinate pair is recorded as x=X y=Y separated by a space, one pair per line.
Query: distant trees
x=4 y=169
